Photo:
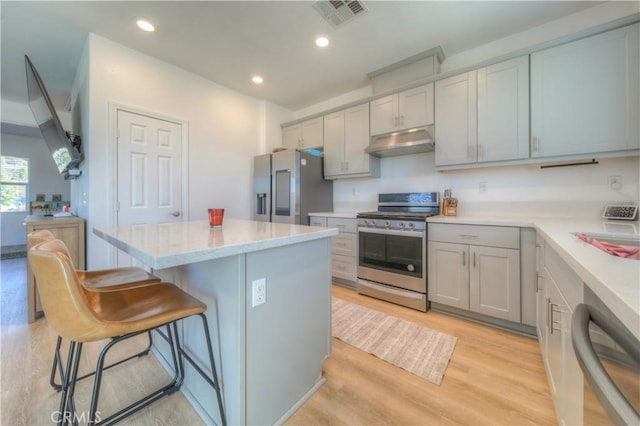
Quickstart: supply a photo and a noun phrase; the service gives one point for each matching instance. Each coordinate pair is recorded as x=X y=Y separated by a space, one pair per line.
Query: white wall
x=274 y=116
x=226 y=129
x=43 y=179
x=523 y=190
x=579 y=190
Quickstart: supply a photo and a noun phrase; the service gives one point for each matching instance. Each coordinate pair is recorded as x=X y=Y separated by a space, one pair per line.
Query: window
x=14 y=181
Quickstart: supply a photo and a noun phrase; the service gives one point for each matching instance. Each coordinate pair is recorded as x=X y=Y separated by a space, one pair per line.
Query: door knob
x=175 y=213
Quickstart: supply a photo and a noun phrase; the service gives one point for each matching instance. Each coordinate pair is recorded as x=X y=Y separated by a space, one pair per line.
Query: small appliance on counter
x=621 y=212
x=288 y=185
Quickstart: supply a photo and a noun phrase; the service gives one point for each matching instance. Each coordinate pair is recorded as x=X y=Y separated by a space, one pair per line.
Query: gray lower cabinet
x=475 y=268
x=560 y=290
x=344 y=248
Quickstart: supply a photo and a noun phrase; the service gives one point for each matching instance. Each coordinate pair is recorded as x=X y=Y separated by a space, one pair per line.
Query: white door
x=149 y=171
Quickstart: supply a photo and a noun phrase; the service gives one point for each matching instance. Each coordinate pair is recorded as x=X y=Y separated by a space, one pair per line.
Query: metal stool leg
x=172 y=387
x=215 y=384
x=57 y=362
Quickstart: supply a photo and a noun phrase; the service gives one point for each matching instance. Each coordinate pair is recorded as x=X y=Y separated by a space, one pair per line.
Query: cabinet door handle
x=402 y=120
x=480 y=151
x=534 y=144
x=474 y=259
x=538 y=279
x=464 y=259
x=395 y=121
x=469 y=235
x=548 y=316
x=554 y=322
x=550 y=321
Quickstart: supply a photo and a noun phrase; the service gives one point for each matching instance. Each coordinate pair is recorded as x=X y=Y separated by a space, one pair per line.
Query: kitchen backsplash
x=522 y=190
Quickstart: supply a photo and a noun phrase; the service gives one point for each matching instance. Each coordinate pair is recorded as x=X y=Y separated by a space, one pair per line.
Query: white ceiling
x=227 y=42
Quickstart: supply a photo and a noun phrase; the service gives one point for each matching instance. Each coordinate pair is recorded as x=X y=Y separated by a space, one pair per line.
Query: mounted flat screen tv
x=65 y=148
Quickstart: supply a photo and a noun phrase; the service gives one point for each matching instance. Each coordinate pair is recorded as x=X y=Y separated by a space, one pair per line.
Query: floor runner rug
x=412 y=347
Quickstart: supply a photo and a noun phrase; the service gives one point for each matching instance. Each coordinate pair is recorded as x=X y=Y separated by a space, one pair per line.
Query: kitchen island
x=269 y=356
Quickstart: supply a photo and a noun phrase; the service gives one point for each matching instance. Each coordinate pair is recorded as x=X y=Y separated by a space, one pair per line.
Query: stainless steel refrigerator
x=288 y=185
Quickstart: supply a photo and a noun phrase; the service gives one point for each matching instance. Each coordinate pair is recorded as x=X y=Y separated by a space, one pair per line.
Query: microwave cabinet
x=71 y=230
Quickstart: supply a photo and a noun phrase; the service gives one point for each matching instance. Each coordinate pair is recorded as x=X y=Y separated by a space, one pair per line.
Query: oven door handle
x=614 y=402
x=415 y=234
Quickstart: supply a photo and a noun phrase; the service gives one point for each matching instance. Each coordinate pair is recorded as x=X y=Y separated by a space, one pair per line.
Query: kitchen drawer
x=317 y=221
x=343 y=225
x=344 y=244
x=478 y=235
x=344 y=267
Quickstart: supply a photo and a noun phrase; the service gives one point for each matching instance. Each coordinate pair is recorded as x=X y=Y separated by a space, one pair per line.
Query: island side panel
x=289 y=336
x=220 y=284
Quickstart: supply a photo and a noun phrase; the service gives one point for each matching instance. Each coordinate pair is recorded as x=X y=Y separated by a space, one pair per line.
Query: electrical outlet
x=615 y=182
x=259 y=293
x=482 y=187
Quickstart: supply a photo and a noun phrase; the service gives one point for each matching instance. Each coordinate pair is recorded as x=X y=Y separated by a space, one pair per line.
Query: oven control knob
x=411 y=268
x=365 y=222
x=411 y=225
x=387 y=223
x=401 y=225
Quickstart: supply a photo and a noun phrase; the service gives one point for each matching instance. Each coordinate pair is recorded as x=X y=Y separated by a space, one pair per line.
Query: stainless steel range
x=392 y=244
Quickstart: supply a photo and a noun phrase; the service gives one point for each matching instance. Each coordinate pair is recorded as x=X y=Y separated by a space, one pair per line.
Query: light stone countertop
x=164 y=245
x=344 y=215
x=615 y=280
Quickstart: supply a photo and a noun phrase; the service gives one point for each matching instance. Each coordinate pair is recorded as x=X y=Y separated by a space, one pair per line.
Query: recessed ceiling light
x=322 y=41
x=145 y=25
x=257 y=79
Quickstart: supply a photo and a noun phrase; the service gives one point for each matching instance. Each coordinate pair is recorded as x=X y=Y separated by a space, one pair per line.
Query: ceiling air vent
x=339 y=12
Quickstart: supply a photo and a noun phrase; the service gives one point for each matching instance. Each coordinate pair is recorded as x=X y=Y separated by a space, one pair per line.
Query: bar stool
x=82 y=315
x=100 y=280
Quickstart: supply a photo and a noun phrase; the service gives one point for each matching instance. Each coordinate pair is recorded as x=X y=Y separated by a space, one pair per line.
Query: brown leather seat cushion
x=140 y=308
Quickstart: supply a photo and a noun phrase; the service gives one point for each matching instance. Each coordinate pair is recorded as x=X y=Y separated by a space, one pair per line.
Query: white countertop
x=615 y=280
x=164 y=245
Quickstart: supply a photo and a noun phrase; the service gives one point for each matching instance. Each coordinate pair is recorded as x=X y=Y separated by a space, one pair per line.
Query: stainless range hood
x=412 y=141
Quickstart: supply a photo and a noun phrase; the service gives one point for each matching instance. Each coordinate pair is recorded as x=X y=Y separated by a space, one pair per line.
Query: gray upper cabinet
x=404 y=110
x=584 y=96
x=346 y=135
x=483 y=115
x=307 y=134
x=503 y=111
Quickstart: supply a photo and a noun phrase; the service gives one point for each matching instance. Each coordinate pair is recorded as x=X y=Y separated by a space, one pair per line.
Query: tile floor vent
x=339 y=12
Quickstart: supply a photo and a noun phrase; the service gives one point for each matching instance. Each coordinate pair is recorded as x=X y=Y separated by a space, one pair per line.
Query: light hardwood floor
x=494 y=377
